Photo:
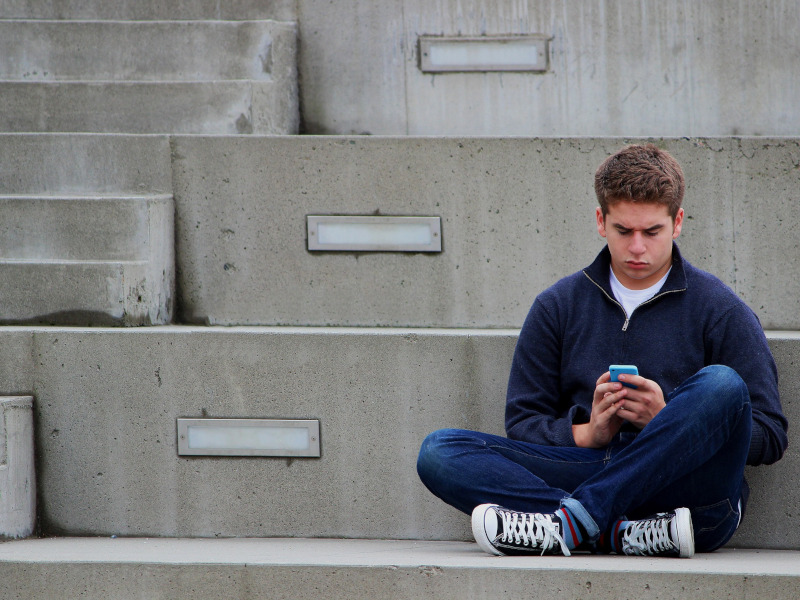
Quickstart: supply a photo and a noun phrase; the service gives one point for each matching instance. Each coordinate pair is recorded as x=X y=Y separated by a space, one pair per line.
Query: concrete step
x=213 y=77
x=217 y=107
x=88 y=293
x=517 y=214
x=105 y=260
x=81 y=228
x=241 y=204
x=107 y=401
x=17 y=468
x=88 y=231
x=91 y=568
x=192 y=51
x=84 y=164
x=143 y=10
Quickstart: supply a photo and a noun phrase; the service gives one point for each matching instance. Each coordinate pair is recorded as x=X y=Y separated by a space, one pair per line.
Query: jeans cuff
x=587 y=522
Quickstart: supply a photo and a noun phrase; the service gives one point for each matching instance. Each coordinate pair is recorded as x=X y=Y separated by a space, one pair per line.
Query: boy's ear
x=677 y=224
x=601 y=222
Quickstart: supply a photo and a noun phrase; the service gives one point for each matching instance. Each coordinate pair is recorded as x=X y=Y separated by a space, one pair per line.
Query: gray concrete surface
x=87 y=261
x=58 y=50
x=17 y=470
x=88 y=293
x=303 y=568
x=84 y=164
x=223 y=107
x=152 y=10
x=88 y=230
x=213 y=77
x=517 y=214
x=617 y=68
x=75 y=228
x=624 y=68
x=108 y=400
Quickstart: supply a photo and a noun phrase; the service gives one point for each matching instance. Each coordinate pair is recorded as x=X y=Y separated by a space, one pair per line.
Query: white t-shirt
x=631 y=299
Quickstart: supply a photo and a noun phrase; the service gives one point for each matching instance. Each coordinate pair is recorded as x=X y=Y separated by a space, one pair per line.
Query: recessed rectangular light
x=485 y=53
x=248 y=437
x=374 y=234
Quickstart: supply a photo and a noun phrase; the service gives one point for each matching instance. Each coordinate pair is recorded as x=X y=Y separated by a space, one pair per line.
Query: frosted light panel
x=248 y=437
x=495 y=53
x=240 y=438
x=374 y=234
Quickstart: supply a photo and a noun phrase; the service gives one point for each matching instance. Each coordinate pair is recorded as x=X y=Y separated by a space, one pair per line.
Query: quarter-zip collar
x=599 y=274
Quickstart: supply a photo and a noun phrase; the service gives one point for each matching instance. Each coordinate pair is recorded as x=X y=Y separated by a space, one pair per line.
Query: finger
x=609 y=401
x=640 y=382
x=608 y=387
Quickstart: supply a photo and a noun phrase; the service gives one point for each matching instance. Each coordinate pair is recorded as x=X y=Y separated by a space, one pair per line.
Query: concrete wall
x=212 y=77
x=517 y=214
x=107 y=401
x=280 y=10
x=87 y=261
x=17 y=473
x=81 y=165
x=88 y=230
x=626 y=67
x=138 y=51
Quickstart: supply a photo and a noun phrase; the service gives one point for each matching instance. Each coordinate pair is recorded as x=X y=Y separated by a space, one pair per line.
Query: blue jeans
x=692 y=454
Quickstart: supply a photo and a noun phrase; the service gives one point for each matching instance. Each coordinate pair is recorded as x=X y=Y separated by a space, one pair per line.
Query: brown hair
x=640 y=174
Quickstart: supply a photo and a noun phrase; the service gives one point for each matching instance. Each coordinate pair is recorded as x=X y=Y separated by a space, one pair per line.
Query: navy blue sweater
x=576 y=329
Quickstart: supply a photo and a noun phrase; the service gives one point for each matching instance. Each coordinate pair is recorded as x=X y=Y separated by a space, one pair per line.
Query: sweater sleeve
x=738 y=341
x=534 y=411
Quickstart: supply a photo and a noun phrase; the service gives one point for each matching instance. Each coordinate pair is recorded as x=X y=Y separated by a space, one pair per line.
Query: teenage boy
x=652 y=464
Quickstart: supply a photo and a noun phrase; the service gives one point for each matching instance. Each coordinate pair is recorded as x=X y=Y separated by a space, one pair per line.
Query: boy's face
x=639 y=236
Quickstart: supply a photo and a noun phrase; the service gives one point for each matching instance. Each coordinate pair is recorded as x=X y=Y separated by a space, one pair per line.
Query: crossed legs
x=691 y=455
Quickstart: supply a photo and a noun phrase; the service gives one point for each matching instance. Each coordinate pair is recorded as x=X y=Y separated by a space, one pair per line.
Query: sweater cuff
x=576 y=416
x=756 y=452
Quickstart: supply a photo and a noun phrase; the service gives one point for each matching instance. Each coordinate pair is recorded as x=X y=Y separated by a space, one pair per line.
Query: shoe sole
x=479 y=529
x=684 y=532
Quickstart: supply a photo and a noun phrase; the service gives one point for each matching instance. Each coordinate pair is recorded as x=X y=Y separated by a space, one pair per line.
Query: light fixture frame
x=312 y=425
x=540 y=41
x=314 y=222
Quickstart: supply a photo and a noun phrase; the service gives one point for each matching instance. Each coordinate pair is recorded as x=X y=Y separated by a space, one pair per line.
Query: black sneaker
x=665 y=534
x=501 y=531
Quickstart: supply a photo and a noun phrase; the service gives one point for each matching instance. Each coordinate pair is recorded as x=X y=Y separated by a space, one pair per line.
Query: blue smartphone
x=615 y=370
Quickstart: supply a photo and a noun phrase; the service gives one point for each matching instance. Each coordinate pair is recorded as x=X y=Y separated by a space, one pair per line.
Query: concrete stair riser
x=55 y=164
x=190 y=51
x=517 y=214
x=241 y=205
x=79 y=228
x=217 y=107
x=17 y=473
x=88 y=261
x=670 y=68
x=107 y=401
x=137 y=10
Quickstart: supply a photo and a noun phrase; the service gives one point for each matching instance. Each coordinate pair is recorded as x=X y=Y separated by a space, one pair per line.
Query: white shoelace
x=648 y=538
x=531 y=529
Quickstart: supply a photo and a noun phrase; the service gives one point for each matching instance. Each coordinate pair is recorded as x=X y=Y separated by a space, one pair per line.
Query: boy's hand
x=604 y=422
x=613 y=404
x=639 y=406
